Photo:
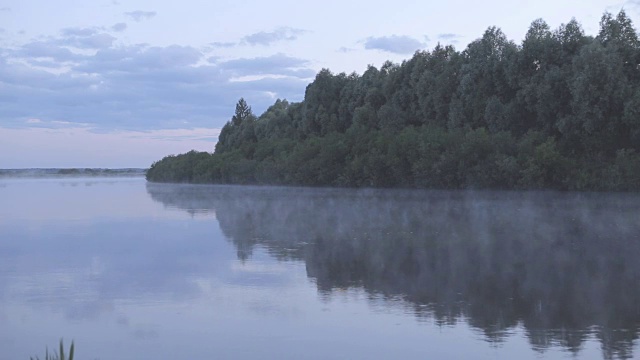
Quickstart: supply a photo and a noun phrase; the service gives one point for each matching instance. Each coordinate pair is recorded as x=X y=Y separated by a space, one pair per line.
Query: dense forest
x=559 y=111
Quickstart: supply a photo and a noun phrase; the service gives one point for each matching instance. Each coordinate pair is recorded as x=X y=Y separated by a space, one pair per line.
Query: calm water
x=132 y=270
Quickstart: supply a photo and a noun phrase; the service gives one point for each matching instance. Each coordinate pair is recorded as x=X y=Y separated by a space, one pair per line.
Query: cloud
x=53 y=124
x=85 y=38
x=218 y=44
x=449 y=37
x=289 y=87
x=47 y=49
x=345 y=50
x=394 y=44
x=267 y=38
x=135 y=59
x=97 y=41
x=5 y=9
x=168 y=57
x=140 y=15
x=264 y=38
x=119 y=27
x=57 y=49
x=137 y=87
x=44 y=63
x=81 y=32
x=278 y=64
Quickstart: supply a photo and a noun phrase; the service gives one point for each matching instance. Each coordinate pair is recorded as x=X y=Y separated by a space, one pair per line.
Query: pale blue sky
x=123 y=83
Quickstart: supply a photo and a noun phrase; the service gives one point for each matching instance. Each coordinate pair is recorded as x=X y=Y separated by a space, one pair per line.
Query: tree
x=571 y=38
x=437 y=84
x=242 y=112
x=617 y=34
x=322 y=99
x=233 y=132
x=599 y=88
x=484 y=74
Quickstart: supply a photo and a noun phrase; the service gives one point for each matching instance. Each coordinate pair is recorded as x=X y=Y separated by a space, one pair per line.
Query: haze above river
x=133 y=270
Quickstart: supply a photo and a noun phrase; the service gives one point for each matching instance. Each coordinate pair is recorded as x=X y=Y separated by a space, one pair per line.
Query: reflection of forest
x=562 y=265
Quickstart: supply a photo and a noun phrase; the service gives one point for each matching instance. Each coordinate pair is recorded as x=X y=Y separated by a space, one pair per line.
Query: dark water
x=146 y=271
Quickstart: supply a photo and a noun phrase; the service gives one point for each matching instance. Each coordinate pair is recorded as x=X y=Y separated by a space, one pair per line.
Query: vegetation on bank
x=60 y=355
x=560 y=111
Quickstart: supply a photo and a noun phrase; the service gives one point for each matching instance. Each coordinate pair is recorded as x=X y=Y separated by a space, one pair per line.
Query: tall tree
x=243 y=111
x=618 y=34
x=484 y=74
x=233 y=132
x=599 y=89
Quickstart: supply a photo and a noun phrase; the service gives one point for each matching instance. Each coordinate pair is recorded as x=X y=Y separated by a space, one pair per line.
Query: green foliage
x=60 y=355
x=546 y=168
x=559 y=111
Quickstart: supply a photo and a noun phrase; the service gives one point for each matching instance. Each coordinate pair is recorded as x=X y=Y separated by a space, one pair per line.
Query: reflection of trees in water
x=561 y=265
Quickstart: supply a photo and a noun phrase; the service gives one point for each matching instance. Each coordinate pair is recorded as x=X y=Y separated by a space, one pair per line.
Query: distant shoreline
x=71 y=172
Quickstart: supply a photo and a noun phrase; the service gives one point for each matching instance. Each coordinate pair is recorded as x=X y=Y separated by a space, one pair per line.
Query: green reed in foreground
x=60 y=355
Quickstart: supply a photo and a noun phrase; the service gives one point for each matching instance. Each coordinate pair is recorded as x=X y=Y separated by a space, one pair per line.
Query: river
x=133 y=270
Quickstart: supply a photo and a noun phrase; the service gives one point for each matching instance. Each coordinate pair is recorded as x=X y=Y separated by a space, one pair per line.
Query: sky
x=117 y=83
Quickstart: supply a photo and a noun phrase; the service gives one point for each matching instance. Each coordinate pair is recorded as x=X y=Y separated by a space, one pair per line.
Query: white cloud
x=47 y=49
x=345 y=49
x=277 y=64
x=394 y=44
x=450 y=37
x=82 y=32
x=142 y=87
x=140 y=15
x=119 y=27
x=269 y=37
x=221 y=44
x=136 y=87
x=94 y=41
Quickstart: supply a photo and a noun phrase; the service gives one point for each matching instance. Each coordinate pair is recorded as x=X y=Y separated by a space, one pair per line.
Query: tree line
x=559 y=111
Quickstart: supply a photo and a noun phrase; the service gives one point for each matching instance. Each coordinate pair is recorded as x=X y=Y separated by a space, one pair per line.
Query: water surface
x=132 y=270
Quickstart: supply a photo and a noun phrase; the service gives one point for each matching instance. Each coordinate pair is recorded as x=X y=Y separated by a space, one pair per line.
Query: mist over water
x=561 y=265
x=134 y=270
